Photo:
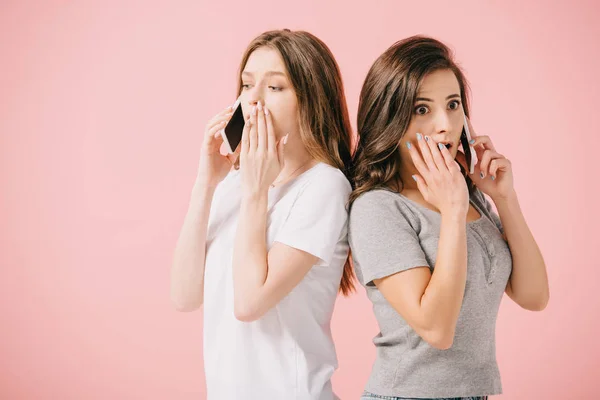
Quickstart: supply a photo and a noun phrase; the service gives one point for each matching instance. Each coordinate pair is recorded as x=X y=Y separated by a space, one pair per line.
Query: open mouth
x=448 y=145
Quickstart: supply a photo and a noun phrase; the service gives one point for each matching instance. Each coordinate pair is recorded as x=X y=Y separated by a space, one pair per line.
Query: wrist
x=454 y=216
x=203 y=187
x=254 y=196
x=510 y=197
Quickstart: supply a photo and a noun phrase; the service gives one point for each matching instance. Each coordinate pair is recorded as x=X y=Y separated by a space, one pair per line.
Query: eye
x=275 y=88
x=421 y=110
x=245 y=86
x=454 y=105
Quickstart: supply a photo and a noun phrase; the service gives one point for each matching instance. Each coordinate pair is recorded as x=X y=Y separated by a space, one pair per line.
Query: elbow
x=441 y=339
x=186 y=307
x=537 y=304
x=185 y=303
x=246 y=312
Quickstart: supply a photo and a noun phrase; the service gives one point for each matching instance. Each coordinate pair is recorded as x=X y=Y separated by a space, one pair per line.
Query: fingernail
x=285 y=139
x=441 y=146
x=414 y=177
x=471 y=141
x=493 y=178
x=408 y=145
x=481 y=175
x=266 y=111
x=260 y=106
x=253 y=110
x=419 y=136
x=427 y=138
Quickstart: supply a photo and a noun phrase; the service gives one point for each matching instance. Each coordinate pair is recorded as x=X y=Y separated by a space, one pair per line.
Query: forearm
x=250 y=253
x=529 y=280
x=442 y=300
x=187 y=271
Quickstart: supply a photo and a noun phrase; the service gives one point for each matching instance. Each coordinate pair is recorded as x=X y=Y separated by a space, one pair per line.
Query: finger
x=447 y=157
x=253 y=134
x=483 y=142
x=261 y=127
x=488 y=156
x=272 y=140
x=245 y=147
x=438 y=159
x=213 y=139
x=498 y=164
x=281 y=150
x=228 y=112
x=218 y=122
x=422 y=186
x=417 y=160
x=426 y=152
x=215 y=131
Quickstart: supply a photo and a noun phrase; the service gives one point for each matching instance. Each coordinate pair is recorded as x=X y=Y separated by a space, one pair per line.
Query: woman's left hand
x=261 y=156
x=493 y=172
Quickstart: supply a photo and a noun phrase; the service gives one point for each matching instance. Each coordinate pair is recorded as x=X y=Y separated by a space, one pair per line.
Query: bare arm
x=187 y=271
x=261 y=280
x=528 y=283
x=430 y=302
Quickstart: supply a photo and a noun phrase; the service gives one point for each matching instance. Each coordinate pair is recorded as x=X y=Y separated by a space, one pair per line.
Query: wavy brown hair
x=325 y=128
x=386 y=106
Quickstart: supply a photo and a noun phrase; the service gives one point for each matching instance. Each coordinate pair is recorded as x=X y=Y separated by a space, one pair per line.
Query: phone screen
x=234 y=128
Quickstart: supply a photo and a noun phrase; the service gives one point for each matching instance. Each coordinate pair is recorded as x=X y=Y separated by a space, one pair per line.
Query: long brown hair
x=325 y=128
x=386 y=105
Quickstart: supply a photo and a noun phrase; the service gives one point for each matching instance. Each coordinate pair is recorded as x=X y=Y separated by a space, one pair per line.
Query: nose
x=254 y=95
x=442 y=123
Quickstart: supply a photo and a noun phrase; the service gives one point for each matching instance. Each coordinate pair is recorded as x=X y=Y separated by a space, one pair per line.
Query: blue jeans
x=371 y=396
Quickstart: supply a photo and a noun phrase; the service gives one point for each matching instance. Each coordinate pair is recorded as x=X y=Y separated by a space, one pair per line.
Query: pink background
x=102 y=107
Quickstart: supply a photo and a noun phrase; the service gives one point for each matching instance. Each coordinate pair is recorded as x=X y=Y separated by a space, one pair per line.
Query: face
x=437 y=113
x=265 y=79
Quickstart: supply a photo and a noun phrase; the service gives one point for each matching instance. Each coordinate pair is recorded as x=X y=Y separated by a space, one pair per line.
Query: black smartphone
x=232 y=133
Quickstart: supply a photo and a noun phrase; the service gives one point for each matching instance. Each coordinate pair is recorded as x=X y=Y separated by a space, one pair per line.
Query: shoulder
x=382 y=206
x=377 y=198
x=323 y=180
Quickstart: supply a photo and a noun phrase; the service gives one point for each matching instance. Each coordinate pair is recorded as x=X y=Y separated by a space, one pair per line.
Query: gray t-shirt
x=389 y=233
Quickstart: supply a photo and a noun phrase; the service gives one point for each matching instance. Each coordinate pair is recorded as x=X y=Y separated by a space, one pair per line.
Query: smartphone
x=470 y=154
x=232 y=133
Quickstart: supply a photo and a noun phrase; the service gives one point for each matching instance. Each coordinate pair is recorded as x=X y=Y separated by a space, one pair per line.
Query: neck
x=297 y=160
x=406 y=173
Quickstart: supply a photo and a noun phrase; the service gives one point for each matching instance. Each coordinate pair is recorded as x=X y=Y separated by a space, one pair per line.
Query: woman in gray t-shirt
x=434 y=257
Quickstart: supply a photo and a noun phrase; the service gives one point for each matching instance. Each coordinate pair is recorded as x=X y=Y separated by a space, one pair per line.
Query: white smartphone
x=471 y=156
x=232 y=133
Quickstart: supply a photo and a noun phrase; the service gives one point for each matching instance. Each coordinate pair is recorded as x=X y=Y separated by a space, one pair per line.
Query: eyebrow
x=268 y=73
x=452 y=96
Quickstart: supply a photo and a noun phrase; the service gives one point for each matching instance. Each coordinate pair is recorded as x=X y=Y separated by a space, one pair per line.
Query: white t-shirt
x=288 y=353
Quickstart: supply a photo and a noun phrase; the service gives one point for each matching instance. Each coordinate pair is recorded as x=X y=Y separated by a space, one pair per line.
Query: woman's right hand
x=441 y=181
x=213 y=165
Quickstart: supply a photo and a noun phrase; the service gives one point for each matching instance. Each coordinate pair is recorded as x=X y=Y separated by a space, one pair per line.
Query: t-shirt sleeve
x=318 y=218
x=382 y=240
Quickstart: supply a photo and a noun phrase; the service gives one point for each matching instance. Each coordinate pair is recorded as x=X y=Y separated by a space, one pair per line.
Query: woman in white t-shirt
x=264 y=247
